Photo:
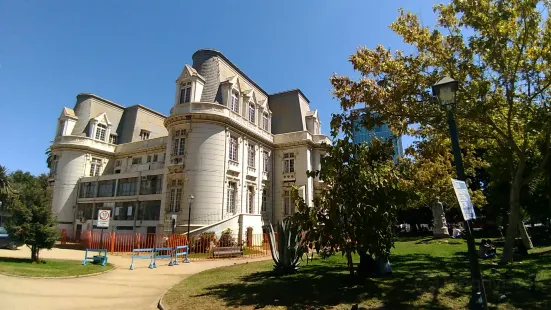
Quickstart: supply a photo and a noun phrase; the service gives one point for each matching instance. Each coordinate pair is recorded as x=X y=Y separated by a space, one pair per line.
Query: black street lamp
x=445 y=92
x=190 y=201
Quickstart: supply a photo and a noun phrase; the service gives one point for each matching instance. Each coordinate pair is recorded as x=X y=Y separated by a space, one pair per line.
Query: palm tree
x=5 y=186
x=49 y=157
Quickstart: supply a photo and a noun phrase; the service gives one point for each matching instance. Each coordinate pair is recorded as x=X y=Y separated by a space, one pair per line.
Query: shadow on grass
x=15 y=260
x=418 y=281
x=326 y=284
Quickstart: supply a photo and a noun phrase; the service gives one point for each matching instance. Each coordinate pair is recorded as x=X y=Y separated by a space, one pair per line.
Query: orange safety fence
x=201 y=246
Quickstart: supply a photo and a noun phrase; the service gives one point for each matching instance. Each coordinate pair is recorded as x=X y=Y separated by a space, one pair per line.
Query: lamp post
x=445 y=91
x=190 y=202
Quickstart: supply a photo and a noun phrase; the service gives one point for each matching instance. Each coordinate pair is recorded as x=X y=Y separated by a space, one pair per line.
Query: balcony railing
x=251 y=171
x=177 y=160
x=288 y=176
x=233 y=166
x=221 y=110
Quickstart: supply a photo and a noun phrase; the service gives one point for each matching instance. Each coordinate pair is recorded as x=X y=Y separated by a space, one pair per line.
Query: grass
x=426 y=274
x=48 y=268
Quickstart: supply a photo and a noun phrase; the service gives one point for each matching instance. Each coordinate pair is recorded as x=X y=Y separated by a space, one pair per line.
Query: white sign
x=103 y=218
x=464 y=199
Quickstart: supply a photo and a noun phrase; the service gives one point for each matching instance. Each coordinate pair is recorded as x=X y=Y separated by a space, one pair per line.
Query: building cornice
x=141 y=151
x=73 y=147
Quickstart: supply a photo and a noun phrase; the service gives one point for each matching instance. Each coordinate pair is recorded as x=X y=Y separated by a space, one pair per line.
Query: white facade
x=233 y=147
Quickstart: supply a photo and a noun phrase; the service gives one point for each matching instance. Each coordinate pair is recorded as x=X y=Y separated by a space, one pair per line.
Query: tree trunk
x=350 y=263
x=514 y=215
x=34 y=254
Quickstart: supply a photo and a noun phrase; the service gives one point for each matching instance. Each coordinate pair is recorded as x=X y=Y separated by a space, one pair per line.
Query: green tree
x=356 y=211
x=431 y=168
x=500 y=53
x=32 y=221
x=5 y=184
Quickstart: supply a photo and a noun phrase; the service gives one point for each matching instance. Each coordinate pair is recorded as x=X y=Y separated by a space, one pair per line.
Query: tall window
x=178 y=143
x=175 y=196
x=233 y=148
x=234 y=105
x=288 y=162
x=264 y=200
x=106 y=188
x=127 y=187
x=144 y=134
x=153 y=184
x=232 y=186
x=265 y=121
x=87 y=190
x=251 y=112
x=266 y=161
x=287 y=202
x=95 y=167
x=250 y=200
x=101 y=129
x=252 y=155
x=112 y=139
x=185 y=93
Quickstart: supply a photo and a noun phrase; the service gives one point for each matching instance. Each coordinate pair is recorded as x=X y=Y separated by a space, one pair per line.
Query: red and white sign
x=103 y=218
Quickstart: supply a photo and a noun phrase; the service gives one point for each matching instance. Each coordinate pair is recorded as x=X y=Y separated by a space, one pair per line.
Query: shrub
x=227 y=239
x=201 y=243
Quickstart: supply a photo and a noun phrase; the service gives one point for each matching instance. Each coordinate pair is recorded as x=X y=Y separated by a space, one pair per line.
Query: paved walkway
x=121 y=288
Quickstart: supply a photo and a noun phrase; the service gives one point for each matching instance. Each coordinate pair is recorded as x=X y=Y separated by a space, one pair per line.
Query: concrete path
x=121 y=288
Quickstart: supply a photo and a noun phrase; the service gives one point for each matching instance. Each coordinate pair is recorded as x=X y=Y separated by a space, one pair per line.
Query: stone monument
x=440 y=228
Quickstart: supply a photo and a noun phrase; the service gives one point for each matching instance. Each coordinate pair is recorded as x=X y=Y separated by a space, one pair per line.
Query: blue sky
x=131 y=52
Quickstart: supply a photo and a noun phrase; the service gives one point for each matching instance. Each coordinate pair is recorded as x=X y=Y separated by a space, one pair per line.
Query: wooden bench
x=227 y=251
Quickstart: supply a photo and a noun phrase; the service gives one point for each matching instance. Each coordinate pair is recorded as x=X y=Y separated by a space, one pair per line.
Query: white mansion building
x=232 y=146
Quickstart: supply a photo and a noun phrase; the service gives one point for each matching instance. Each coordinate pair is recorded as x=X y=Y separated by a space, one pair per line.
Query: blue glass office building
x=383 y=133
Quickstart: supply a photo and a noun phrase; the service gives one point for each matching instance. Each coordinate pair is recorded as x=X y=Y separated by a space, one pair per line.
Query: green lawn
x=426 y=274
x=48 y=268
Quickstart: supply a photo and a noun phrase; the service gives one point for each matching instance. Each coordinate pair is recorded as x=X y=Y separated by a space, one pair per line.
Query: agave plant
x=287 y=249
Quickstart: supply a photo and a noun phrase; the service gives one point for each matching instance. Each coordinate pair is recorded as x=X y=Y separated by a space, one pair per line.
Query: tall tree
x=499 y=51
x=356 y=211
x=32 y=221
x=431 y=163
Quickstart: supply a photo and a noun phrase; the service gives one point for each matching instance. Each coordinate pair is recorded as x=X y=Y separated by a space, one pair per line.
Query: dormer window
x=113 y=139
x=144 y=134
x=234 y=104
x=101 y=129
x=265 y=121
x=251 y=112
x=185 y=93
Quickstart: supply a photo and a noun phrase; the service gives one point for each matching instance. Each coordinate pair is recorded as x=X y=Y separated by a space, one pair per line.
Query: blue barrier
x=96 y=258
x=151 y=257
x=178 y=253
x=157 y=255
